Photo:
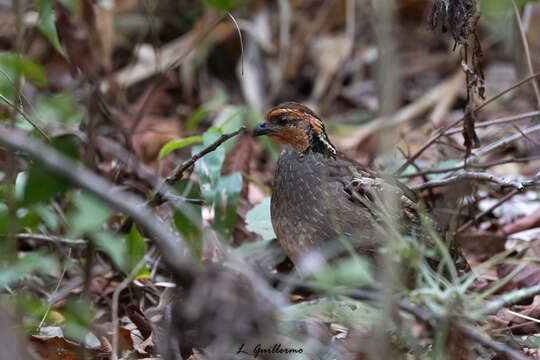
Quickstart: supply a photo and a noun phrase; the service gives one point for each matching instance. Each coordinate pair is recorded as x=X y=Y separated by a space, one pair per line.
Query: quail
x=318 y=194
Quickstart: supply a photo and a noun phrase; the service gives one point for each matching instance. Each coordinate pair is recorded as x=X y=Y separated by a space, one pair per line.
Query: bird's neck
x=322 y=146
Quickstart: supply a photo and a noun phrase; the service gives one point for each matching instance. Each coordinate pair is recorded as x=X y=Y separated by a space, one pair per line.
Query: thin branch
x=503 y=120
x=169 y=245
x=241 y=41
x=115 y=298
x=470 y=176
x=490 y=148
x=503 y=142
x=527 y=52
x=179 y=171
x=487 y=211
x=25 y=117
x=507 y=299
x=441 y=132
x=472 y=166
x=52 y=238
x=163 y=190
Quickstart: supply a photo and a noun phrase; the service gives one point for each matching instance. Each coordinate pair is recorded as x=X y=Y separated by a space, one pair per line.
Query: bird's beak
x=263 y=128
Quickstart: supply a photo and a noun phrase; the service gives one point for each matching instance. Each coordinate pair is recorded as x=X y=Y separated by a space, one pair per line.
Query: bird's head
x=297 y=126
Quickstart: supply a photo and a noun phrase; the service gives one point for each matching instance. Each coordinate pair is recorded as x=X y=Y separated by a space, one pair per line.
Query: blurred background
x=133 y=88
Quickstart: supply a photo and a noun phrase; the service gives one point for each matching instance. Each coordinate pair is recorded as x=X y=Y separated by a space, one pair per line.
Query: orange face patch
x=290 y=135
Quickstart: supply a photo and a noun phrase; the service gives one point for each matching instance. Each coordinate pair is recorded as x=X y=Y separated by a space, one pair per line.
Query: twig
x=525 y=135
x=163 y=190
x=527 y=52
x=116 y=296
x=241 y=41
x=503 y=142
x=472 y=166
x=441 y=132
x=487 y=211
x=507 y=299
x=51 y=238
x=179 y=171
x=171 y=249
x=54 y=292
x=470 y=176
x=524 y=316
x=26 y=117
x=484 y=151
x=502 y=120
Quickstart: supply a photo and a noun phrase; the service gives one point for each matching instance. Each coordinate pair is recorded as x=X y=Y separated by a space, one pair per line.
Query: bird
x=321 y=200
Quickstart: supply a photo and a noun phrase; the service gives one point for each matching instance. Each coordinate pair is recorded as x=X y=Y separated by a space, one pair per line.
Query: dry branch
x=442 y=132
x=169 y=245
x=472 y=176
x=163 y=192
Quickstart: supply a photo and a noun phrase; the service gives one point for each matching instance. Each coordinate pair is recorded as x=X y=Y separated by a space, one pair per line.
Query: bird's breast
x=299 y=205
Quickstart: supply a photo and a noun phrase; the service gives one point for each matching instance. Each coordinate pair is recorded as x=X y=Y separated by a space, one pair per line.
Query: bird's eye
x=282 y=120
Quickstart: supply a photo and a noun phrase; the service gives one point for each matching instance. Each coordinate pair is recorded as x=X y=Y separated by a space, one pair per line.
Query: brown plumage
x=314 y=203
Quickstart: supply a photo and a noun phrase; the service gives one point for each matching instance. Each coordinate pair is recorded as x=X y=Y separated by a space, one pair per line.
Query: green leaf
x=114 y=246
x=46 y=23
x=33 y=308
x=89 y=217
x=208 y=168
x=178 y=144
x=11 y=66
x=495 y=7
x=227 y=193
x=225 y=5
x=42 y=184
x=34 y=261
x=78 y=314
x=350 y=272
x=258 y=220
x=59 y=108
x=190 y=228
x=136 y=249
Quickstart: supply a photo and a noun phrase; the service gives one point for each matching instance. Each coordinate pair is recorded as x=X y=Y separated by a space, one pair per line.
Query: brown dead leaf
x=519 y=319
x=141 y=347
x=527 y=277
x=75 y=39
x=56 y=348
x=527 y=222
x=138 y=318
x=152 y=133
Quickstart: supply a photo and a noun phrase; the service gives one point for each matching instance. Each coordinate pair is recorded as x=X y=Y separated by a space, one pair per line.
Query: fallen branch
x=169 y=245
